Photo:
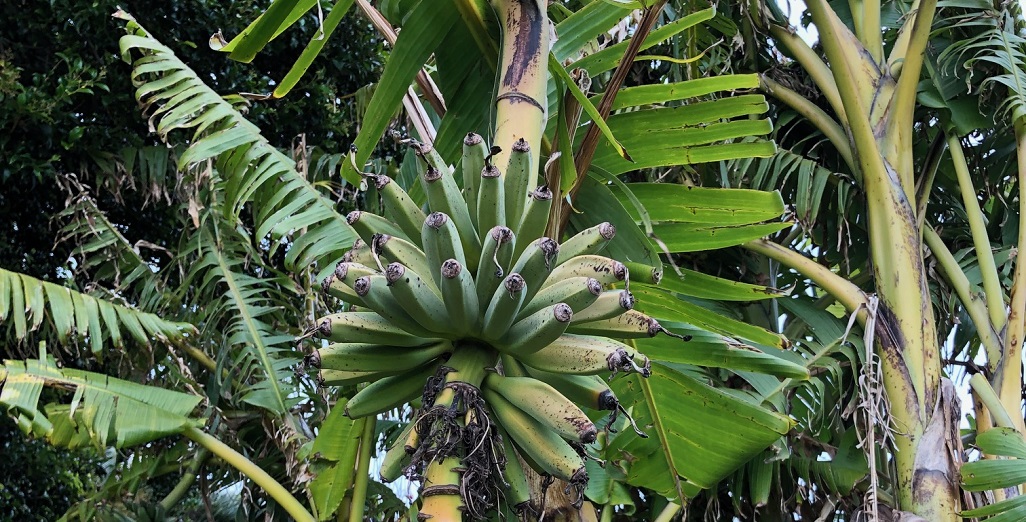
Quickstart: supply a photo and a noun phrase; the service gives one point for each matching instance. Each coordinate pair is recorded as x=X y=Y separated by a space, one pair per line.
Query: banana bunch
x=502 y=333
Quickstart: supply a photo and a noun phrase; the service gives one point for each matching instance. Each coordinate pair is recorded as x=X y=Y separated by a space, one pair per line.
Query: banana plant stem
x=187 y=480
x=985 y=393
x=813 y=64
x=902 y=109
x=963 y=289
x=1008 y=377
x=844 y=291
x=260 y=477
x=362 y=470
x=818 y=117
x=981 y=241
x=668 y=512
x=924 y=183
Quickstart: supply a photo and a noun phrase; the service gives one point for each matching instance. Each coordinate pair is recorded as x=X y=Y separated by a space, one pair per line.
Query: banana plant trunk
x=873 y=99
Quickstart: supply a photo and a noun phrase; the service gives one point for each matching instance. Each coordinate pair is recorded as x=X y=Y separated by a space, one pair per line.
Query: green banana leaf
x=104 y=411
x=334 y=452
x=425 y=30
x=696 y=284
x=28 y=304
x=252 y=173
x=696 y=432
x=278 y=17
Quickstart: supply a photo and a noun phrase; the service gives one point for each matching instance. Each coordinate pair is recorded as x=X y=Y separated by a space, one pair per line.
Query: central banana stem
x=444 y=486
x=521 y=104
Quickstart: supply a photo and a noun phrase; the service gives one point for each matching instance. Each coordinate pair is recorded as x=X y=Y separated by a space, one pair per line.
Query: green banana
x=643 y=273
x=474 y=152
x=390 y=392
x=399 y=207
x=431 y=157
x=491 y=207
x=606 y=271
x=536 y=213
x=340 y=283
x=518 y=490
x=416 y=296
x=397 y=457
x=512 y=367
x=577 y=292
x=365 y=327
x=588 y=241
x=537 y=330
x=402 y=251
x=535 y=264
x=608 y=305
x=374 y=291
x=361 y=253
x=546 y=405
x=503 y=307
x=357 y=357
x=441 y=241
x=367 y=224
x=631 y=324
x=543 y=447
x=444 y=196
x=329 y=377
x=587 y=355
x=519 y=180
x=459 y=296
x=496 y=254
x=590 y=391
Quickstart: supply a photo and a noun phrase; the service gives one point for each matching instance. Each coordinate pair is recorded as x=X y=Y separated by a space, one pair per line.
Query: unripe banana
x=536 y=213
x=512 y=367
x=444 y=196
x=536 y=331
x=441 y=241
x=401 y=251
x=519 y=180
x=460 y=297
x=588 y=241
x=606 y=271
x=631 y=324
x=367 y=224
x=494 y=263
x=390 y=392
x=577 y=292
x=399 y=207
x=357 y=357
x=642 y=273
x=608 y=305
x=503 y=307
x=491 y=207
x=543 y=448
x=518 y=489
x=587 y=355
x=474 y=152
x=418 y=298
x=430 y=156
x=536 y=263
x=365 y=327
x=329 y=377
x=337 y=289
x=397 y=457
x=340 y=283
x=374 y=291
x=546 y=405
x=590 y=391
x=360 y=253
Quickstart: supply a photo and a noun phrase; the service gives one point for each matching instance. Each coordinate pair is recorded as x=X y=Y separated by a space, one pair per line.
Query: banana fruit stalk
x=504 y=335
